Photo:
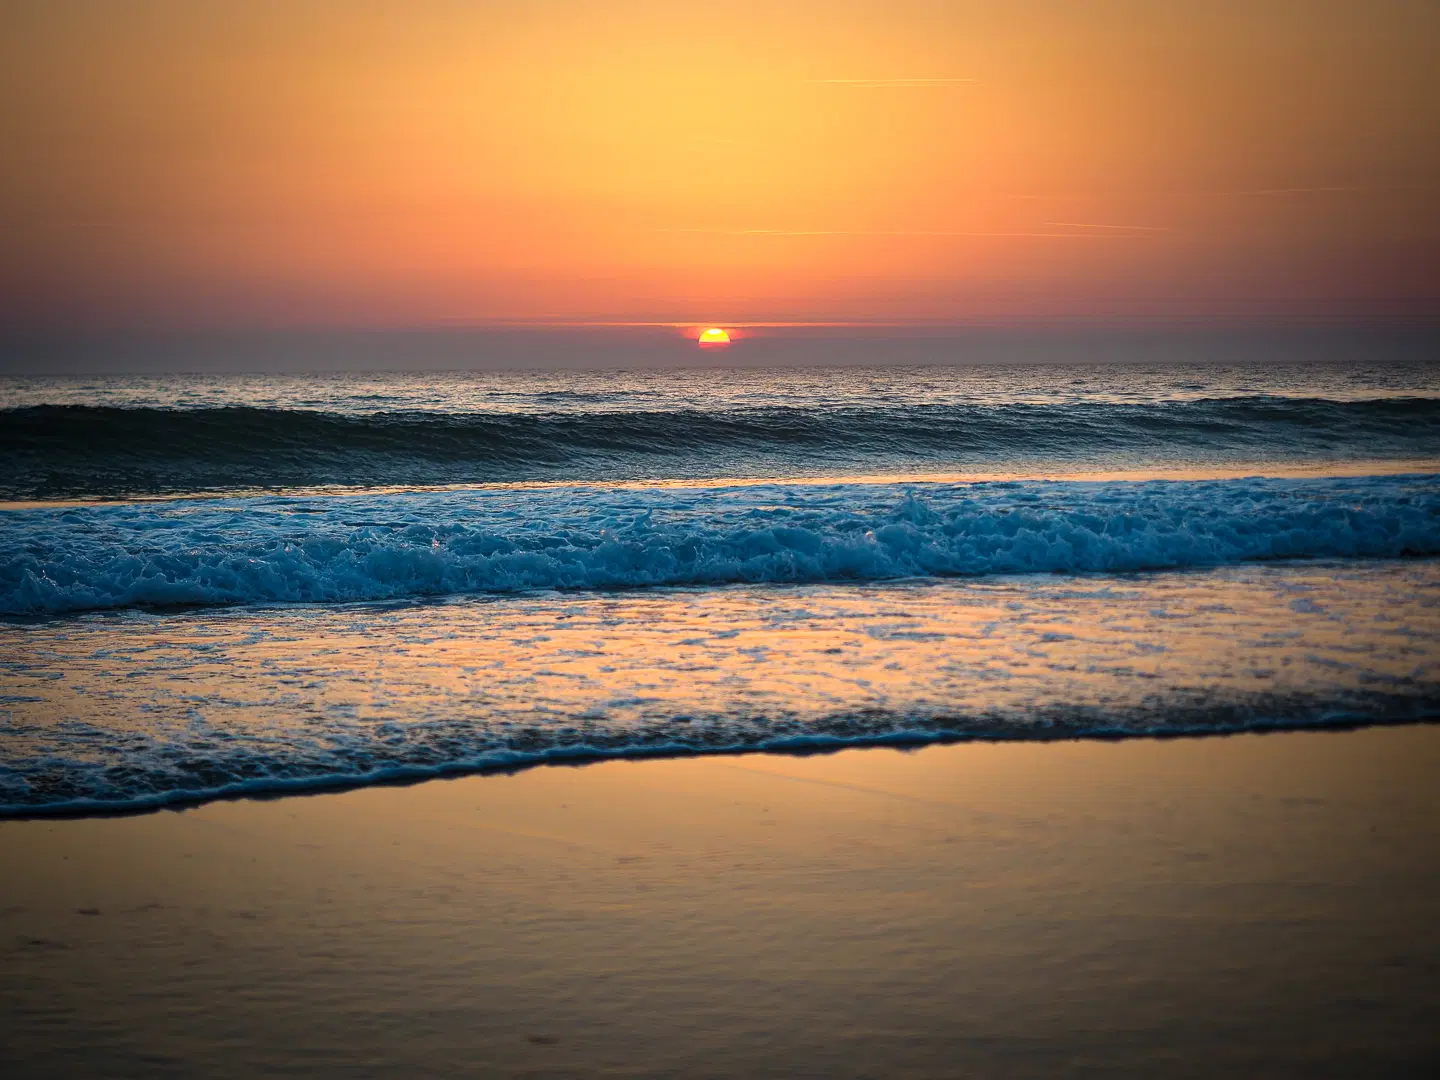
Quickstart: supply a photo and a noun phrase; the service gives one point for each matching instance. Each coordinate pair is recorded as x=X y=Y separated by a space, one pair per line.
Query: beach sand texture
x=1184 y=907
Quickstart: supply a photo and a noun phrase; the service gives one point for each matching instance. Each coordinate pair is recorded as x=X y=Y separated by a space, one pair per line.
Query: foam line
x=428 y=544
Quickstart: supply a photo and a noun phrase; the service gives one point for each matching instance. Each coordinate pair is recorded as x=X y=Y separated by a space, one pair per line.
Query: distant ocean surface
x=218 y=585
x=69 y=438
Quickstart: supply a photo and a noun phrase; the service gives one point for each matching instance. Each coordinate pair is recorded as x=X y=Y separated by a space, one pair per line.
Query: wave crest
x=53 y=451
x=380 y=547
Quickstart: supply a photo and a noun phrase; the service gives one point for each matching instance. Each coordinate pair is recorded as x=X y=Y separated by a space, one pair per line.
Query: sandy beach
x=1262 y=904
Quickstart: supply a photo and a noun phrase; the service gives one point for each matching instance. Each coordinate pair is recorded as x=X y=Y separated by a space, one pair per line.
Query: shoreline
x=800 y=746
x=1191 y=906
x=130 y=710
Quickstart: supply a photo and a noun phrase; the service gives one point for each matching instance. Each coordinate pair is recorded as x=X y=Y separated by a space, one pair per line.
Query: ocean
x=225 y=585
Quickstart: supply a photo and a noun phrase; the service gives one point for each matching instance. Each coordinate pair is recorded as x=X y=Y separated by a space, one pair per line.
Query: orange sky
x=282 y=162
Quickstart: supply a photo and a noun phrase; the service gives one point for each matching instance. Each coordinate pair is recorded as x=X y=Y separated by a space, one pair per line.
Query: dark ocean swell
x=55 y=451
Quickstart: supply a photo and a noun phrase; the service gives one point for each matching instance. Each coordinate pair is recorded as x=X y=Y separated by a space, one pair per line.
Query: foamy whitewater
x=382 y=547
x=273 y=583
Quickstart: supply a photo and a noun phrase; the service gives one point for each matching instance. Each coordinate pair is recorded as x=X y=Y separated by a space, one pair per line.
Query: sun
x=714 y=338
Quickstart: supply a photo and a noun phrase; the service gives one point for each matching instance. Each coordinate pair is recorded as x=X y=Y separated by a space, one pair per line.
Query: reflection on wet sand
x=1256 y=905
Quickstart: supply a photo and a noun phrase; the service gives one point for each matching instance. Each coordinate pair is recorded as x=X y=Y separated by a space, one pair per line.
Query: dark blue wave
x=79 y=451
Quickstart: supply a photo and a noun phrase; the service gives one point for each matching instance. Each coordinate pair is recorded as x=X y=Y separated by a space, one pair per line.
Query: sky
x=252 y=164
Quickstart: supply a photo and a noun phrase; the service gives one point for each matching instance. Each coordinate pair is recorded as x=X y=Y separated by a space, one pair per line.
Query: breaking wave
x=318 y=549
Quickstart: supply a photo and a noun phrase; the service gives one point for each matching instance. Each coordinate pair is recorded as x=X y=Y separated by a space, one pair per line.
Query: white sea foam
x=376 y=547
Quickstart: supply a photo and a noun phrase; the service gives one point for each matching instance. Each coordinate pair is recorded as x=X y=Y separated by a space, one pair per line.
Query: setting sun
x=714 y=338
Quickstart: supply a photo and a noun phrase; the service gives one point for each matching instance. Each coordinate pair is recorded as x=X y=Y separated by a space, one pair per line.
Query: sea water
x=216 y=585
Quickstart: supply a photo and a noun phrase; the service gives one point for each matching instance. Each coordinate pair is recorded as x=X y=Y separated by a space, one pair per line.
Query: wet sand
x=1263 y=904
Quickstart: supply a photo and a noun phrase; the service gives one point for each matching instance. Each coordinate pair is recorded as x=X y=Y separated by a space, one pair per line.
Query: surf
x=317 y=549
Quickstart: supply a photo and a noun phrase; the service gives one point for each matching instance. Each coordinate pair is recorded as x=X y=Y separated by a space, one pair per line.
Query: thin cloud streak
x=1330 y=189
x=1319 y=189
x=1031 y=234
x=1305 y=191
x=889 y=82
x=563 y=322
x=1125 y=228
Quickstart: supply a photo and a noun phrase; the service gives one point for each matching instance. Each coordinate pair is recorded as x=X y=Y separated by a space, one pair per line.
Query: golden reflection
x=1275 y=470
x=717 y=666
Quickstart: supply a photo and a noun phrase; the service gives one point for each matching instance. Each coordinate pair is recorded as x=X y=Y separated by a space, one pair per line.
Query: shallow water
x=128 y=710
